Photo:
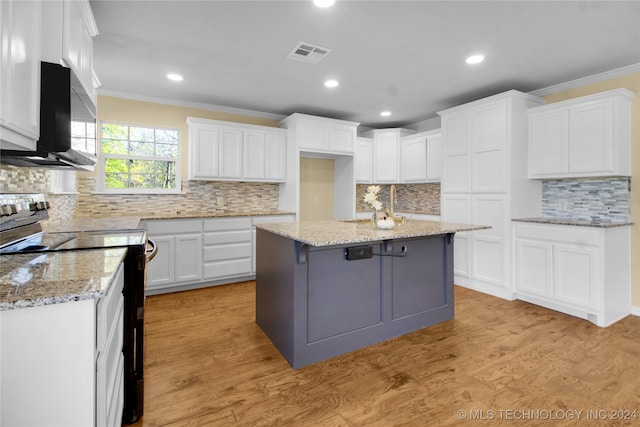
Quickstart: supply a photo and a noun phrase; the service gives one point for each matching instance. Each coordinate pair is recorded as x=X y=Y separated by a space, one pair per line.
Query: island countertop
x=329 y=233
x=35 y=279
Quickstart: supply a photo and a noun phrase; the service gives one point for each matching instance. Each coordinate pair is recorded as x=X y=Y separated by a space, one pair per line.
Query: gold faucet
x=392 y=199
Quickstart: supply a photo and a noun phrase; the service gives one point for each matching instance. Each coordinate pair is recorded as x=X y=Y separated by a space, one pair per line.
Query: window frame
x=102 y=159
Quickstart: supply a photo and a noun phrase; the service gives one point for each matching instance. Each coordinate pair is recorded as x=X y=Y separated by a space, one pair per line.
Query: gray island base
x=328 y=288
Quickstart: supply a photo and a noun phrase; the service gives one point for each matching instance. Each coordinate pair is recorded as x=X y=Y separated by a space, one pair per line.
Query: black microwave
x=68 y=136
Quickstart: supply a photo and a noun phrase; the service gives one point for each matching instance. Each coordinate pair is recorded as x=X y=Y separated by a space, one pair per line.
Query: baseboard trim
x=635 y=310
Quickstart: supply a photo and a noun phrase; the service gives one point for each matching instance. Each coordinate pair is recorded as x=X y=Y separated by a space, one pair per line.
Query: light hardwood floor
x=507 y=362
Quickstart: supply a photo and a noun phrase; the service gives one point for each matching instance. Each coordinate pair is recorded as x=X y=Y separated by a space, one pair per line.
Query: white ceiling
x=404 y=56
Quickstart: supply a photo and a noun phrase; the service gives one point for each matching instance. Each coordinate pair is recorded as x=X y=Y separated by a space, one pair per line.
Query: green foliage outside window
x=138 y=157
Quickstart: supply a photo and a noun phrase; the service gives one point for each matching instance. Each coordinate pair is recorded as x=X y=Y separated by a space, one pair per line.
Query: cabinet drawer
x=223 y=237
x=559 y=234
x=227 y=224
x=174 y=226
x=221 y=252
x=235 y=267
x=109 y=307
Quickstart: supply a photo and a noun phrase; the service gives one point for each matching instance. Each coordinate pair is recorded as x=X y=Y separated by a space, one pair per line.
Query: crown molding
x=596 y=78
x=197 y=105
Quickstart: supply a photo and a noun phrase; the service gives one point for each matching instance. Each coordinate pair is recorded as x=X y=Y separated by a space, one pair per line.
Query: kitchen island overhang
x=325 y=288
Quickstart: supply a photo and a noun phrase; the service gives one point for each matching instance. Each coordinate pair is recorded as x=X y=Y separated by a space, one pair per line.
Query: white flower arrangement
x=371 y=197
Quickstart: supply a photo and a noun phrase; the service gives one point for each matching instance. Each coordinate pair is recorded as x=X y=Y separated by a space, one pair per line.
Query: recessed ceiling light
x=331 y=83
x=324 y=3
x=475 y=59
x=175 y=77
x=385 y=113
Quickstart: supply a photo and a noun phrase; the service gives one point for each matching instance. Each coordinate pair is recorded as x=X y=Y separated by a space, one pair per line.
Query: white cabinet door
x=414 y=160
x=77 y=43
x=386 y=157
x=575 y=274
x=489 y=141
x=231 y=152
x=160 y=271
x=548 y=143
x=489 y=247
x=434 y=158
x=254 y=154
x=591 y=138
x=457 y=208
x=313 y=135
x=322 y=135
x=188 y=257
x=20 y=74
x=534 y=267
x=342 y=138
x=456 y=131
x=275 y=157
x=204 y=149
x=363 y=159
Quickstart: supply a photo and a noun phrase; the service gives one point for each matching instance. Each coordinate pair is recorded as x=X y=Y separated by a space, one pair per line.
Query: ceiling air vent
x=306 y=52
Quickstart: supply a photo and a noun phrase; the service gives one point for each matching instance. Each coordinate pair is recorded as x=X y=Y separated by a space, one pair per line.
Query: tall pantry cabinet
x=484 y=181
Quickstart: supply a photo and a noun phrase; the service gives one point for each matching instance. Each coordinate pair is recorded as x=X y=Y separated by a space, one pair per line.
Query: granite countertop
x=127 y=222
x=37 y=279
x=572 y=222
x=328 y=233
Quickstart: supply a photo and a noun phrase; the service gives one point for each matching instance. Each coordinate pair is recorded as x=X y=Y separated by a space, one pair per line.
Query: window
x=139 y=159
x=83 y=136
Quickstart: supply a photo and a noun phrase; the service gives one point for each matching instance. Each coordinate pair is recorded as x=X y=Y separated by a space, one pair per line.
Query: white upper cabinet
x=581 y=137
x=322 y=135
x=79 y=28
x=363 y=159
x=414 y=159
x=421 y=157
x=434 y=157
x=235 y=152
x=20 y=74
x=265 y=155
x=396 y=156
x=386 y=156
x=475 y=156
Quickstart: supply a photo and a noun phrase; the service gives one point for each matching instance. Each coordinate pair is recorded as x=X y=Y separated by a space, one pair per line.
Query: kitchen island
x=325 y=288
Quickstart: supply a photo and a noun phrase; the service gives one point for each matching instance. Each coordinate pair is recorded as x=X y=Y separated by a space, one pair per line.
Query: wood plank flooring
x=497 y=363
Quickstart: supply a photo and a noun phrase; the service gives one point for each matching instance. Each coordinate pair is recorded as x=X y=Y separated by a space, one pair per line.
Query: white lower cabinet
x=482 y=260
x=227 y=248
x=179 y=257
x=199 y=252
x=62 y=364
x=582 y=271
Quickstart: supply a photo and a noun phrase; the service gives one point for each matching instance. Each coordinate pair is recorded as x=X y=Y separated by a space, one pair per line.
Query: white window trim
x=102 y=188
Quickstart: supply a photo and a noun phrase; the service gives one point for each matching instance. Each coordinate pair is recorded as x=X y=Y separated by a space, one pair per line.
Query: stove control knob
x=8 y=210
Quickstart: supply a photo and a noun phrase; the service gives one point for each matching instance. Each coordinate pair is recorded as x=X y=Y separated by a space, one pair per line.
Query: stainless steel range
x=21 y=232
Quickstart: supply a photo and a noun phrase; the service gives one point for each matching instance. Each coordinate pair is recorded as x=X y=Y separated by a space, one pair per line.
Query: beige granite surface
x=113 y=222
x=576 y=223
x=36 y=279
x=328 y=233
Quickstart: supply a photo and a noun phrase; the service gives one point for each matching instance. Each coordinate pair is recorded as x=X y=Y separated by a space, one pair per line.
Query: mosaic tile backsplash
x=588 y=199
x=410 y=197
x=197 y=196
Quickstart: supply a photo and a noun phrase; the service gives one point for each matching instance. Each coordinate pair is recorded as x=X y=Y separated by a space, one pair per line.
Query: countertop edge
x=572 y=223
